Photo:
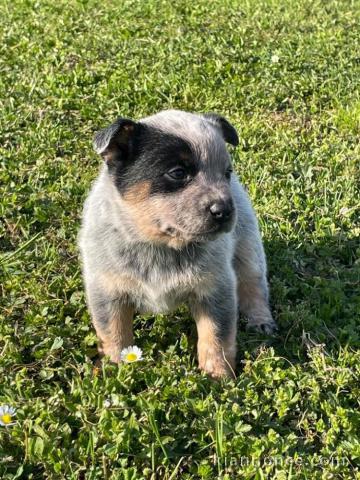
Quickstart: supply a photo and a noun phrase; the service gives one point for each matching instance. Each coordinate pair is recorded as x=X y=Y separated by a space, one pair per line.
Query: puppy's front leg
x=113 y=321
x=216 y=326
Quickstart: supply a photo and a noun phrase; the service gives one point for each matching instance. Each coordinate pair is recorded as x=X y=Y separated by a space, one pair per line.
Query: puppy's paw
x=110 y=350
x=217 y=371
x=266 y=325
x=216 y=364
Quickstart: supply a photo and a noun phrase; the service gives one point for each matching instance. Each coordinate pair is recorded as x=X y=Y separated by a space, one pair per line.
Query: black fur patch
x=153 y=153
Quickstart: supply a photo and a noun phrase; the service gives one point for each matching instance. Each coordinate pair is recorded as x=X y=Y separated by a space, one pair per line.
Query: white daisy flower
x=131 y=354
x=6 y=415
x=107 y=403
x=275 y=59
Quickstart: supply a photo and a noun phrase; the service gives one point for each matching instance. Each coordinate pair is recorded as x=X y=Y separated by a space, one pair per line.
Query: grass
x=70 y=67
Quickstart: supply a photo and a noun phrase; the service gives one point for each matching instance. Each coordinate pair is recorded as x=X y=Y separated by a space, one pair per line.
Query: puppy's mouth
x=188 y=236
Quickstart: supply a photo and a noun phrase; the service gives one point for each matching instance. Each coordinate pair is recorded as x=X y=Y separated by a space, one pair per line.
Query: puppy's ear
x=228 y=131
x=115 y=142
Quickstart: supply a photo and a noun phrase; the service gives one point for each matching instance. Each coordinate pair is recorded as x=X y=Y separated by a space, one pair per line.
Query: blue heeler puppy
x=167 y=222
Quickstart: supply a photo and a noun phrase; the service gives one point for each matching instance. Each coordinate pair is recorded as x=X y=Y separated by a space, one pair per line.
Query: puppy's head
x=172 y=171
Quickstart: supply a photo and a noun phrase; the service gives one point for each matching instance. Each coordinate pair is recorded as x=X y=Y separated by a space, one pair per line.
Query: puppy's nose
x=221 y=210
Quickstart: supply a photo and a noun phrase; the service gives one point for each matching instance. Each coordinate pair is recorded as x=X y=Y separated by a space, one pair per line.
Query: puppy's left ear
x=114 y=143
x=228 y=131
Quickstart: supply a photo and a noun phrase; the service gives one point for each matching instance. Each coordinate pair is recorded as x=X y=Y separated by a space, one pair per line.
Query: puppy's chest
x=159 y=282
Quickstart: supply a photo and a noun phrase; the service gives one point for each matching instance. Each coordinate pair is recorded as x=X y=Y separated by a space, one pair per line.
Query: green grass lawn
x=287 y=74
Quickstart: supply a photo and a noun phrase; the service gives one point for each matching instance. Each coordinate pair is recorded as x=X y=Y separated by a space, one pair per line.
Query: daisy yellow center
x=131 y=357
x=6 y=418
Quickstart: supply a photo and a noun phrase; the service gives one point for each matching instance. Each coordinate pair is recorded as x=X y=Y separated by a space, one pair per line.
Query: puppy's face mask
x=173 y=174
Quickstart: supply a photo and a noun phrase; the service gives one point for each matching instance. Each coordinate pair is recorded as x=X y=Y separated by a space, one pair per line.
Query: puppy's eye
x=228 y=173
x=177 y=173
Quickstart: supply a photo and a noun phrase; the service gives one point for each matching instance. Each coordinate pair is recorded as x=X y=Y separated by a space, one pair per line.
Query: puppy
x=167 y=222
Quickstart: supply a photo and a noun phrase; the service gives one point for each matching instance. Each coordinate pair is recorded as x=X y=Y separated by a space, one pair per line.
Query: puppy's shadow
x=314 y=297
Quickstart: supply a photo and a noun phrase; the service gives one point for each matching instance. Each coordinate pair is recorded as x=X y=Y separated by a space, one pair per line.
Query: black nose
x=222 y=210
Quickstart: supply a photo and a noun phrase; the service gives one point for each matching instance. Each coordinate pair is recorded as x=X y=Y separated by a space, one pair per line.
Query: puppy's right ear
x=115 y=142
x=227 y=130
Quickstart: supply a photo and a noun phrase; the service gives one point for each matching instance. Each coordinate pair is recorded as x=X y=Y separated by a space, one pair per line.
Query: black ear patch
x=228 y=131
x=115 y=142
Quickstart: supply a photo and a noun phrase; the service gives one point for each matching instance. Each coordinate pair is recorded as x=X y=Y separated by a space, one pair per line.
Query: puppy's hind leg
x=113 y=321
x=253 y=294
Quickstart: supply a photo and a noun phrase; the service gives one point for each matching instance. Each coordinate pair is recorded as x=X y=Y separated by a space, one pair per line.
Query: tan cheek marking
x=146 y=209
x=138 y=193
x=142 y=209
